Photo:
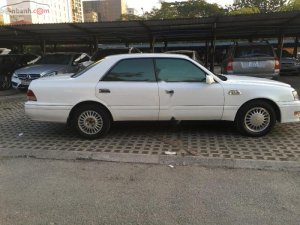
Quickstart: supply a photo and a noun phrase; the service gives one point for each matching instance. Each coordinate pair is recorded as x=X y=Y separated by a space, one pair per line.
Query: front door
x=184 y=93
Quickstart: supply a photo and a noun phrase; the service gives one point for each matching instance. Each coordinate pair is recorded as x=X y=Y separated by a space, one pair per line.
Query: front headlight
x=15 y=75
x=50 y=74
x=295 y=94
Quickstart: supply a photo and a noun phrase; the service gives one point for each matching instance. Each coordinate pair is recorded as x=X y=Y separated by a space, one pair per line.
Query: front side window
x=178 y=70
x=132 y=70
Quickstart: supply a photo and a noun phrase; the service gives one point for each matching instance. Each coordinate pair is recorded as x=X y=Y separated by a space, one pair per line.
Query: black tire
x=91 y=121
x=255 y=119
x=5 y=82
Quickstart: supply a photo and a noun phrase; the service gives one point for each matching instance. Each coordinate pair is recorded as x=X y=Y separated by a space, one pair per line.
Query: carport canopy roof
x=269 y=25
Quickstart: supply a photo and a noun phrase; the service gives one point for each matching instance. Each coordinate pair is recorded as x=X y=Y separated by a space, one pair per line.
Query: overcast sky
x=147 y=5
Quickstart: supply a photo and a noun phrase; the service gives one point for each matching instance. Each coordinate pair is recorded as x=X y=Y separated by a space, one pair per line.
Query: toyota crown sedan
x=159 y=87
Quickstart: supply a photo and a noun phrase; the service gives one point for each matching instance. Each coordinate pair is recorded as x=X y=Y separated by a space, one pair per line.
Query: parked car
x=9 y=63
x=289 y=65
x=159 y=87
x=103 y=52
x=252 y=59
x=190 y=53
x=49 y=65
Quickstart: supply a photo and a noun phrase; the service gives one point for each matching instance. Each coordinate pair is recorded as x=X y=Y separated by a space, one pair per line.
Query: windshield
x=55 y=59
x=253 y=51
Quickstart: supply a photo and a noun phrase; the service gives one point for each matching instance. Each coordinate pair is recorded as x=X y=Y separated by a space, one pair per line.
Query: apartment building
x=107 y=10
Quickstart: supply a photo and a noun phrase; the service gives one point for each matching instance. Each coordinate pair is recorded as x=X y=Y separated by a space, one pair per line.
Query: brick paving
x=217 y=140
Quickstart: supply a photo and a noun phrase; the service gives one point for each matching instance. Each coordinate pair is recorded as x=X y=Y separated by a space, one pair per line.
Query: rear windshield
x=55 y=59
x=253 y=51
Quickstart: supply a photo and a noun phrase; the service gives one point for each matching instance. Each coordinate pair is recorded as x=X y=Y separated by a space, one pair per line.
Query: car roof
x=146 y=55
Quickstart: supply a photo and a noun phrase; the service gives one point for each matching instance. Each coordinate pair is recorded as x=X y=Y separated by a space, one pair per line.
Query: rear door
x=130 y=89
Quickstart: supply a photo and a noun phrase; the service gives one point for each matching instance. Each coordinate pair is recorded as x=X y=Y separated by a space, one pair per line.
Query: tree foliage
x=201 y=8
x=264 y=6
x=186 y=9
x=246 y=10
x=292 y=5
x=127 y=17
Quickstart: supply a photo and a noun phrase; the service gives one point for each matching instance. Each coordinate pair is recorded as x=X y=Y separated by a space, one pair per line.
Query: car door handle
x=170 y=92
x=104 y=91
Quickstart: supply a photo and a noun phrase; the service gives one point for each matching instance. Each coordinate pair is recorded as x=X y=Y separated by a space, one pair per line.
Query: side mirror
x=210 y=79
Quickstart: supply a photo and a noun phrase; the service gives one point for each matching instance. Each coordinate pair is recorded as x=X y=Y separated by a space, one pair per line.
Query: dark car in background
x=11 y=62
x=289 y=65
x=49 y=65
x=251 y=59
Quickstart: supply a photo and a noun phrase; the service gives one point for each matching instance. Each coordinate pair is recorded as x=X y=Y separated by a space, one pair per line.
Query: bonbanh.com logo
x=25 y=8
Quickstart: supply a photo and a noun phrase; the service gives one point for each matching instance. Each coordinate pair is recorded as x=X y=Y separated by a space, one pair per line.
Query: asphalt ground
x=204 y=143
x=57 y=192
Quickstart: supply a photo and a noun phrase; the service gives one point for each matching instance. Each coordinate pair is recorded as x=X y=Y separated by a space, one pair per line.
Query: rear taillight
x=277 y=65
x=31 y=95
x=229 y=67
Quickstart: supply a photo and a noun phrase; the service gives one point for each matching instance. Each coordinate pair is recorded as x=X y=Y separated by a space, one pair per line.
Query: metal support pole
x=213 y=48
x=152 y=43
x=280 y=45
x=166 y=46
x=22 y=49
x=296 y=47
x=95 y=44
x=43 y=46
x=206 y=53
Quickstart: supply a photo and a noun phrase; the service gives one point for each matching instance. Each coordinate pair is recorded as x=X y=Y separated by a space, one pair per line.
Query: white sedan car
x=159 y=87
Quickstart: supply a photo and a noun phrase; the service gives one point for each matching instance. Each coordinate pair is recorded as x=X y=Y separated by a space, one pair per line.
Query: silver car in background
x=49 y=65
x=252 y=59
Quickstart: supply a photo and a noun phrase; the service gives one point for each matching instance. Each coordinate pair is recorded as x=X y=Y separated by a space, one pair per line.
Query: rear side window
x=132 y=70
x=178 y=70
x=253 y=51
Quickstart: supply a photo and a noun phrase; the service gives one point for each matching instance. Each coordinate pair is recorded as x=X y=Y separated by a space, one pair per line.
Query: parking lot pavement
x=204 y=143
x=56 y=192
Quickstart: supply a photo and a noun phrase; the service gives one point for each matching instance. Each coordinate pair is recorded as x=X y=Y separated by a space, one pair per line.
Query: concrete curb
x=154 y=159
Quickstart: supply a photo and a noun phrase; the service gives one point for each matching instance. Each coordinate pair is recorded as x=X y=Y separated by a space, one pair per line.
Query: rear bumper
x=47 y=113
x=288 y=110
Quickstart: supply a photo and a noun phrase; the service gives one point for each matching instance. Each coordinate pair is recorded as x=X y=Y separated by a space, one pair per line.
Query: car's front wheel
x=256 y=118
x=91 y=121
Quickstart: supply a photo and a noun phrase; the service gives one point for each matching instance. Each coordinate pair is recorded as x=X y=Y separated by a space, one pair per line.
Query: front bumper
x=18 y=84
x=289 y=111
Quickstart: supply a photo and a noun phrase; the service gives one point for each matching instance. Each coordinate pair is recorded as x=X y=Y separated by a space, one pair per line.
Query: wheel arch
x=272 y=103
x=80 y=104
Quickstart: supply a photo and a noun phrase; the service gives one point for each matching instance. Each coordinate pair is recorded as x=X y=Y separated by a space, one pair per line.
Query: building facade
x=41 y=11
x=107 y=10
x=77 y=13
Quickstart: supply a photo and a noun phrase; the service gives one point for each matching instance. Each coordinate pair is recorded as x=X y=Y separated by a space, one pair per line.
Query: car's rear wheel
x=91 y=121
x=256 y=118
